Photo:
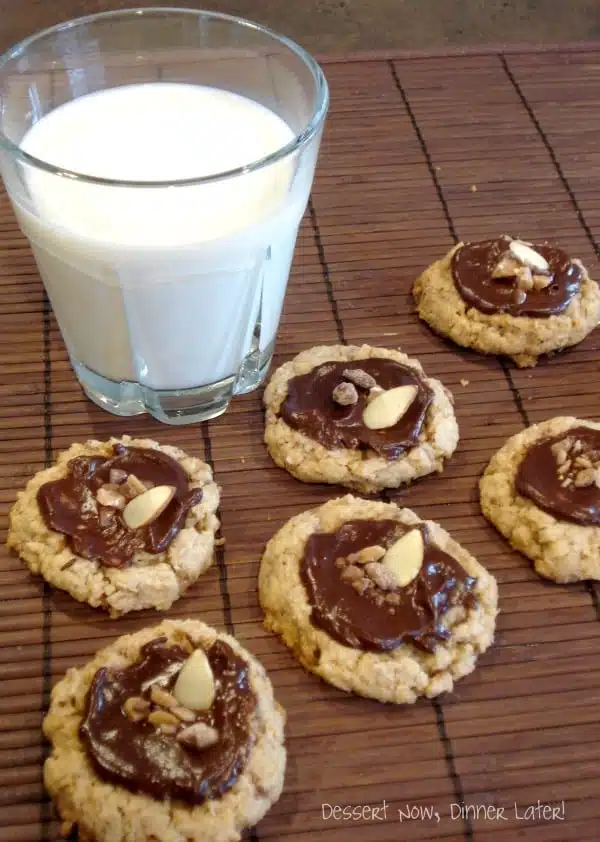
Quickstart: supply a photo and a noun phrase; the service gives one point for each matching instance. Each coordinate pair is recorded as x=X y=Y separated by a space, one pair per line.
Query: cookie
x=328 y=421
x=541 y=490
x=376 y=601
x=98 y=523
x=504 y=297
x=170 y=734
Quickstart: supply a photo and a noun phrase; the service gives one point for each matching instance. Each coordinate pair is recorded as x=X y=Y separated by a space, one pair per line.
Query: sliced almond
x=405 y=557
x=195 y=685
x=388 y=407
x=145 y=508
x=528 y=256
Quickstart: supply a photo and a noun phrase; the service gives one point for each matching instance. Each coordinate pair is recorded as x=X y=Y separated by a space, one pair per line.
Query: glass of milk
x=159 y=161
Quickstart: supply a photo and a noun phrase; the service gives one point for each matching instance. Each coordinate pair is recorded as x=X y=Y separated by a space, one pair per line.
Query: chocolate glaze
x=356 y=620
x=472 y=267
x=139 y=757
x=67 y=505
x=310 y=408
x=538 y=480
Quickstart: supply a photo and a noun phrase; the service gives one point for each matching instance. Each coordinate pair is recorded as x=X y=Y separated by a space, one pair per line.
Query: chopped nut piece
x=164 y=720
x=345 y=394
x=360 y=378
x=185 y=714
x=107 y=497
x=198 y=736
x=464 y=381
x=560 y=453
x=220 y=542
x=541 y=281
x=524 y=278
x=567 y=482
x=577 y=446
x=162 y=697
x=565 y=467
x=89 y=504
x=106 y=516
x=352 y=573
x=585 y=478
x=132 y=487
x=506 y=267
x=473 y=188
x=374 y=393
x=362 y=585
x=136 y=708
x=367 y=554
x=393 y=598
x=597 y=478
x=116 y=476
x=583 y=462
x=383 y=577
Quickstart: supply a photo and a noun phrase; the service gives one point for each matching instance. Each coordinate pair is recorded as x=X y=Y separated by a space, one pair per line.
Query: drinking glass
x=168 y=293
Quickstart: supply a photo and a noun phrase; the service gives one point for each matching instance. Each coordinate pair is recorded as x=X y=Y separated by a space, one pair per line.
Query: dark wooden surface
x=417 y=153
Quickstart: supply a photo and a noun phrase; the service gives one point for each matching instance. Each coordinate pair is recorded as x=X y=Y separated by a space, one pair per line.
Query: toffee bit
x=345 y=394
x=383 y=577
x=198 y=736
x=360 y=378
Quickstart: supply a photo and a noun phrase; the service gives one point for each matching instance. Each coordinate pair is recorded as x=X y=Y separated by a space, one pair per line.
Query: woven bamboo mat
x=418 y=152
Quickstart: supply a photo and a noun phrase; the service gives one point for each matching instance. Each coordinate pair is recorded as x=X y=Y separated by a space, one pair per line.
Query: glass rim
x=299 y=140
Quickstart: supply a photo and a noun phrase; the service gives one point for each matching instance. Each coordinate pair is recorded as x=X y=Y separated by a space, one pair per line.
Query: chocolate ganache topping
x=562 y=475
x=372 y=620
x=473 y=268
x=142 y=757
x=311 y=409
x=70 y=505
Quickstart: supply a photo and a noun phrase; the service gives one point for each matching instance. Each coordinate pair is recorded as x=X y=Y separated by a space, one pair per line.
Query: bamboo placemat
x=418 y=153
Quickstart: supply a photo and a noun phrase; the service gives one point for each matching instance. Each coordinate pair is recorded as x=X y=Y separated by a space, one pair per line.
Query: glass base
x=178 y=406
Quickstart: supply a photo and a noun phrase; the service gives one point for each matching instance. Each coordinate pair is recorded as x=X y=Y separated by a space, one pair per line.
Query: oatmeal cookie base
x=364 y=471
x=149 y=581
x=104 y=812
x=399 y=676
x=522 y=338
x=560 y=550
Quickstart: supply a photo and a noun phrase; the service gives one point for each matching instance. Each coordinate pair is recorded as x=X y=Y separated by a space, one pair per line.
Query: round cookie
x=562 y=549
x=359 y=467
x=105 y=810
x=392 y=657
x=509 y=331
x=144 y=579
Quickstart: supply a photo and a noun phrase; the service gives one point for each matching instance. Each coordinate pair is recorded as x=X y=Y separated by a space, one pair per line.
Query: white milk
x=162 y=285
